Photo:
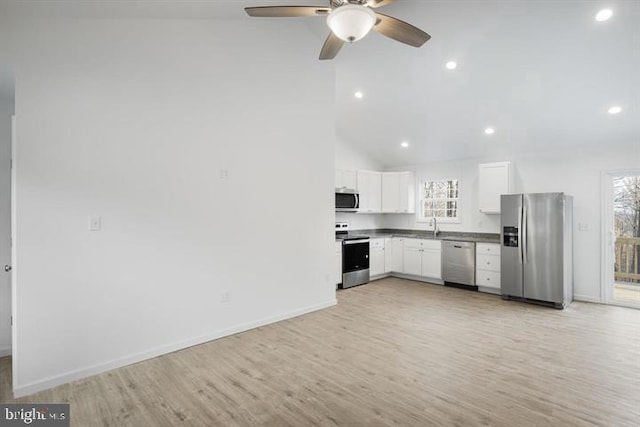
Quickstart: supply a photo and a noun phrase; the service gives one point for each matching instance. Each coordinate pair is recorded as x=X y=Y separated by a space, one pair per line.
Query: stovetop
x=342 y=232
x=349 y=236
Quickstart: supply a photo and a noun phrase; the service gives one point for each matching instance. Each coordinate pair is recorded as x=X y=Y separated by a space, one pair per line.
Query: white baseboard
x=5 y=351
x=46 y=383
x=585 y=298
x=379 y=276
x=418 y=278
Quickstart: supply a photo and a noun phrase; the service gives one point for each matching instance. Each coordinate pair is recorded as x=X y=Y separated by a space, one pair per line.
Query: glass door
x=625 y=239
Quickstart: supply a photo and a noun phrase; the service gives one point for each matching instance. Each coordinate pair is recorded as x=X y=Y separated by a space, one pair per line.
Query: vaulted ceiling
x=541 y=73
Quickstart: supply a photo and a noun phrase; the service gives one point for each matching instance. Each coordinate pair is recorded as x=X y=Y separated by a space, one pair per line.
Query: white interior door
x=5 y=233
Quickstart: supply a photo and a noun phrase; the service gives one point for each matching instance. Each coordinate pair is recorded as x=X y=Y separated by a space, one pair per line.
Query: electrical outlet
x=583 y=226
x=224 y=173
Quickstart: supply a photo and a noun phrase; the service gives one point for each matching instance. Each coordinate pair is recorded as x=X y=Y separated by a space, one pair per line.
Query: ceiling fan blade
x=286 y=11
x=331 y=47
x=374 y=4
x=400 y=31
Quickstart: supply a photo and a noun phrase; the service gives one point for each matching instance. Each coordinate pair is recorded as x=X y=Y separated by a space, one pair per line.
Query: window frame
x=420 y=203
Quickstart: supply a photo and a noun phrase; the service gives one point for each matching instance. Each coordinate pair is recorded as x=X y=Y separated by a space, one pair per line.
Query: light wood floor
x=393 y=352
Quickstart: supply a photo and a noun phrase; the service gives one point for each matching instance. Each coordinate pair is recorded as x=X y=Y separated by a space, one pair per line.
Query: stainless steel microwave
x=347 y=200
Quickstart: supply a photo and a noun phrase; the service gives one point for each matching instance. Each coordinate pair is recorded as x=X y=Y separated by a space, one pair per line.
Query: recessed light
x=489 y=131
x=404 y=144
x=604 y=15
x=451 y=65
x=615 y=109
x=359 y=95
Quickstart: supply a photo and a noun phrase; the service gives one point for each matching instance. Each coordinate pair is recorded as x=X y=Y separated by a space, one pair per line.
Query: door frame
x=607 y=245
x=14 y=293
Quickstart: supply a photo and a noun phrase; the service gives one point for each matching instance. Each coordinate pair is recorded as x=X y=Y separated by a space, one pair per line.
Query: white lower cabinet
x=338 y=263
x=423 y=257
x=432 y=263
x=488 y=279
x=488 y=267
x=376 y=257
x=394 y=255
x=412 y=261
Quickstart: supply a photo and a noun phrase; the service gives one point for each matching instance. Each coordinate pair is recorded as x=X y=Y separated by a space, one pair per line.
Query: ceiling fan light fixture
x=351 y=22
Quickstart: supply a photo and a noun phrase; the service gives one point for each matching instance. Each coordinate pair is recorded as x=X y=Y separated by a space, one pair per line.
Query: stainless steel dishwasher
x=459 y=264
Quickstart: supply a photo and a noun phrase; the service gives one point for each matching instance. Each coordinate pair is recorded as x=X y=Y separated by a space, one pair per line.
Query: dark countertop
x=422 y=234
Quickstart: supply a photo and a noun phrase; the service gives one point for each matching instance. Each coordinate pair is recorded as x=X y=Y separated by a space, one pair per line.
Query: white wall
x=470 y=219
x=575 y=172
x=349 y=157
x=6 y=107
x=134 y=121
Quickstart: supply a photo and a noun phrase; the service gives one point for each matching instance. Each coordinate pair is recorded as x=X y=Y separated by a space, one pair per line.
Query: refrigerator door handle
x=520 y=234
x=524 y=235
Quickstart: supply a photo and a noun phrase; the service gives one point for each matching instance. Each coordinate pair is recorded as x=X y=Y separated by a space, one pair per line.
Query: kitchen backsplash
x=361 y=222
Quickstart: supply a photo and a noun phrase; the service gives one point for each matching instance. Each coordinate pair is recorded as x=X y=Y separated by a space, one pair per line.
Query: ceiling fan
x=349 y=21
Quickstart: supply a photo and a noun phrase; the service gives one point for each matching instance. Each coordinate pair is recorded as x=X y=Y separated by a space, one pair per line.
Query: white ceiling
x=541 y=72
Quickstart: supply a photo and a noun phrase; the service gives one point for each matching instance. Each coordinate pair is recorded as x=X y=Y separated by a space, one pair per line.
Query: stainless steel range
x=355 y=257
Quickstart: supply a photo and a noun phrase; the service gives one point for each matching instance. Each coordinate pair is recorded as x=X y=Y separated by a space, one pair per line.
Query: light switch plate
x=95 y=223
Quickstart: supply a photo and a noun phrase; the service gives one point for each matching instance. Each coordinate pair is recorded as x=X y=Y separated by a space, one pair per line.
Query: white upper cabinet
x=346 y=179
x=494 y=179
x=390 y=194
x=370 y=190
x=398 y=192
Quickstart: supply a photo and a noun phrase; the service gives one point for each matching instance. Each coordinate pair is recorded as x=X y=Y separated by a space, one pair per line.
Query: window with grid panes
x=439 y=199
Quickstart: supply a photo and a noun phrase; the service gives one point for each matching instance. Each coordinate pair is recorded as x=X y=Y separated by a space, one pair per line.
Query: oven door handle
x=355 y=242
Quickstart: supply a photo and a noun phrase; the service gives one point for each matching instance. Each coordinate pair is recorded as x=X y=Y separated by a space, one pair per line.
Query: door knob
x=7 y=268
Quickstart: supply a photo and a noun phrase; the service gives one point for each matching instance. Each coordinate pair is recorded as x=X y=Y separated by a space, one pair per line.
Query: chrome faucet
x=434 y=222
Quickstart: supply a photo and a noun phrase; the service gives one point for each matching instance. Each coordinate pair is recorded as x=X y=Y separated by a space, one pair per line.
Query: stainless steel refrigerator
x=537 y=248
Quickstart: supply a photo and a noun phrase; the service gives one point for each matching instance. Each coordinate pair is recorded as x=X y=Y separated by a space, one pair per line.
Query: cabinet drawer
x=422 y=244
x=432 y=244
x=412 y=243
x=488 y=262
x=488 y=248
x=489 y=279
x=376 y=243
